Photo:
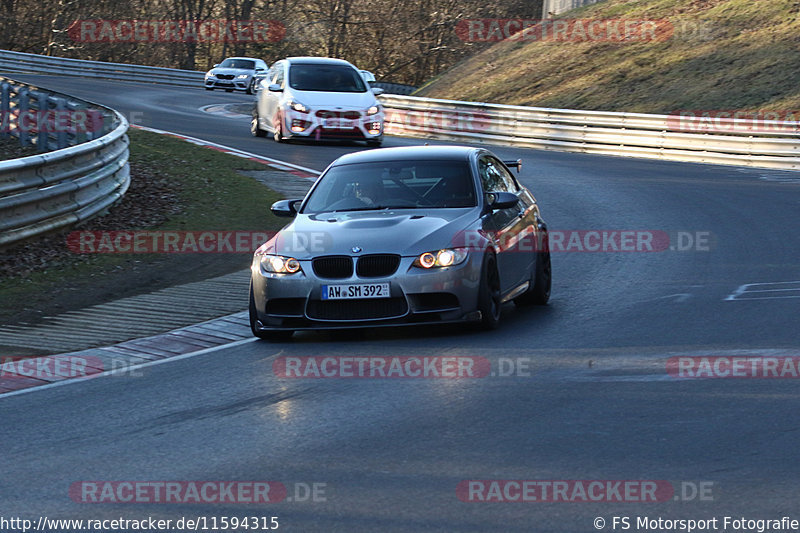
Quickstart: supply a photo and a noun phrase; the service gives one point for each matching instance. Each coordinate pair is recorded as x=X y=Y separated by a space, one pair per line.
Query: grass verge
x=721 y=55
x=174 y=186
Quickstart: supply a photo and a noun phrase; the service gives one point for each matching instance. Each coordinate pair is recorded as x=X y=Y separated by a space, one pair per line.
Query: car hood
x=404 y=231
x=234 y=71
x=318 y=99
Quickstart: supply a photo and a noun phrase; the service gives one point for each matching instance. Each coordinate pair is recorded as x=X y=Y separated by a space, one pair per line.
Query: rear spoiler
x=514 y=164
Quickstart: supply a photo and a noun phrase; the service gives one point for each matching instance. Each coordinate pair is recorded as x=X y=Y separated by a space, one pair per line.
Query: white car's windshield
x=393 y=185
x=244 y=64
x=326 y=78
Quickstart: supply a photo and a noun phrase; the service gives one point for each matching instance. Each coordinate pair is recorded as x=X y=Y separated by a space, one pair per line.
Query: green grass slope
x=723 y=54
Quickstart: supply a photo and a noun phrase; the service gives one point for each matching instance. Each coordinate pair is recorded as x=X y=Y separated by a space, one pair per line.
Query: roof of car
x=404 y=153
x=248 y=58
x=318 y=60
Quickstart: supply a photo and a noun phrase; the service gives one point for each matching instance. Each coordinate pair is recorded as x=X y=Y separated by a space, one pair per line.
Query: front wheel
x=489 y=293
x=209 y=88
x=255 y=129
x=273 y=336
x=277 y=133
x=251 y=87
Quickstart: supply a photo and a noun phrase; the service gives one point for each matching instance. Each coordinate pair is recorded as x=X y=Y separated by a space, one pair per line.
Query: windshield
x=326 y=78
x=393 y=185
x=244 y=64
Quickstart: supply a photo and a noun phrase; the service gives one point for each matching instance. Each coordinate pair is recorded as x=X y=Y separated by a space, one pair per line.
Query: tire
x=375 y=143
x=209 y=88
x=277 y=134
x=273 y=336
x=489 y=293
x=539 y=291
x=255 y=129
x=250 y=87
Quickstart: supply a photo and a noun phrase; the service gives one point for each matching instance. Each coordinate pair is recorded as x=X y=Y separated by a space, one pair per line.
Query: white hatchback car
x=317 y=98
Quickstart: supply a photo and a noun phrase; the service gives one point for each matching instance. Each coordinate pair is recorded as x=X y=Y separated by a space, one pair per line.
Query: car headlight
x=209 y=74
x=278 y=264
x=297 y=106
x=242 y=76
x=373 y=110
x=442 y=258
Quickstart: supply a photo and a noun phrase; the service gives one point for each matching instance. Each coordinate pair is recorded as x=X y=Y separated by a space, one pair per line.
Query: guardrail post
x=62 y=121
x=42 y=124
x=79 y=119
x=23 y=106
x=5 y=110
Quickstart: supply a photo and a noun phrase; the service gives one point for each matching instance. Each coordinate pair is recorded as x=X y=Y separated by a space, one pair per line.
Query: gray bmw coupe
x=412 y=235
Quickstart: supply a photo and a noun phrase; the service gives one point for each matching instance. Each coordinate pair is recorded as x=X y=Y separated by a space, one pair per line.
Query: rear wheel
x=489 y=293
x=255 y=129
x=273 y=336
x=538 y=292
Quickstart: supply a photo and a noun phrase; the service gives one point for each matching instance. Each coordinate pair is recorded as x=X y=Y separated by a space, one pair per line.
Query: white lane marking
x=743 y=292
x=234 y=151
x=679 y=297
x=779 y=178
x=126 y=369
x=221 y=111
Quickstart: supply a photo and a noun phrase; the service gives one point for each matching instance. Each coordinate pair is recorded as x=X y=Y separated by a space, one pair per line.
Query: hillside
x=717 y=54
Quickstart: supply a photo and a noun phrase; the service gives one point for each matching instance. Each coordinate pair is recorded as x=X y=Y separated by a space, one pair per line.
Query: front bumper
x=321 y=124
x=417 y=296
x=238 y=85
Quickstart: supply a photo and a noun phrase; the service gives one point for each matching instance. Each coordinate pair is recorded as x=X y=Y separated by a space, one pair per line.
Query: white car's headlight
x=297 y=106
x=242 y=76
x=278 y=264
x=373 y=110
x=441 y=258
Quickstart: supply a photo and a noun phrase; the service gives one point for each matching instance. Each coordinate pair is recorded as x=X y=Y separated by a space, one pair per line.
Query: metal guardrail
x=59 y=188
x=772 y=145
x=608 y=133
x=22 y=62
x=393 y=88
x=48 y=120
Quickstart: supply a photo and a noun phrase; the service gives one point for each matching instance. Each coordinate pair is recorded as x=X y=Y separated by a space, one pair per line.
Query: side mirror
x=275 y=88
x=285 y=208
x=514 y=164
x=377 y=91
x=501 y=200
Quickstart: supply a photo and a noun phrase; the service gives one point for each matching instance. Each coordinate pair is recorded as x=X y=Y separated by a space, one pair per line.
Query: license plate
x=352 y=292
x=339 y=123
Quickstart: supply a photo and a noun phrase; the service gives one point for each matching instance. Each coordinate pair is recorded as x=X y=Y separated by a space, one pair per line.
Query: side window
x=508 y=179
x=492 y=178
x=277 y=70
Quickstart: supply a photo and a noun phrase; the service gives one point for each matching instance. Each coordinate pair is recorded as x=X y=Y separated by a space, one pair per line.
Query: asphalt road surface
x=589 y=398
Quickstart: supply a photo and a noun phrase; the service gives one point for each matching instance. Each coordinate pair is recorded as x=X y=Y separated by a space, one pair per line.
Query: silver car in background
x=235 y=74
x=412 y=235
x=317 y=98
